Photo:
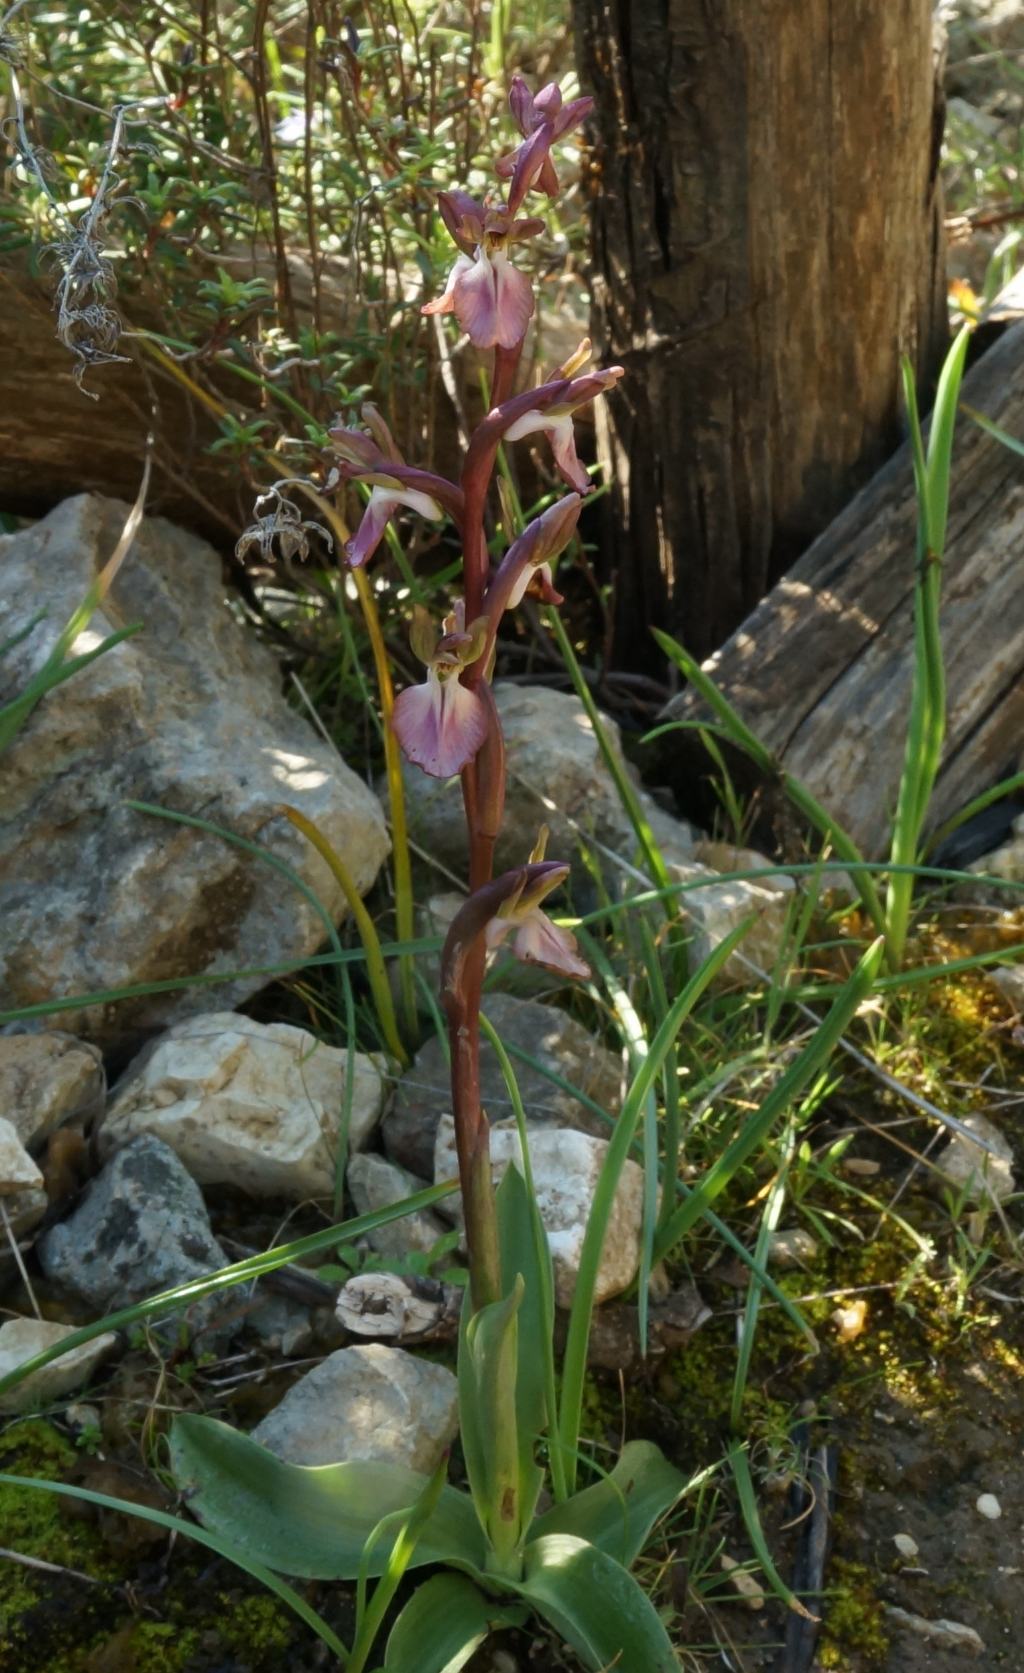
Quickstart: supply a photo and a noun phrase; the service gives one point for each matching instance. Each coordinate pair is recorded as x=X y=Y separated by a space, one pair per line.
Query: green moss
x=258 y=1626
x=160 y=1647
x=854 y=1619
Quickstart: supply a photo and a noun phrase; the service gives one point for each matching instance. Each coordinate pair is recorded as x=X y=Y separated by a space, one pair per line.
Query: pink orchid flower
x=526 y=566
x=491 y=299
x=556 y=423
x=374 y=458
x=536 y=940
x=441 y=724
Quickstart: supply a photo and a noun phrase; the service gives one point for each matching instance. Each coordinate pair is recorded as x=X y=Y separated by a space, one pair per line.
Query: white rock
x=726 y=857
x=988 y=1505
x=187 y=714
x=907 y=1547
x=968 y=1169
x=557 y=777
x=946 y=1635
x=372 y=1403
x=374 y=1182
x=22 y=1339
x=23 y=1200
x=566 y=1165
x=17 y=1169
x=244 y=1103
x=1009 y=979
x=715 y=909
x=792 y=1247
x=47 y=1079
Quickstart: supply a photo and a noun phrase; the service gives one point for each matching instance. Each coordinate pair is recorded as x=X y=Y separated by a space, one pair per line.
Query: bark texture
x=822 y=669
x=767 y=240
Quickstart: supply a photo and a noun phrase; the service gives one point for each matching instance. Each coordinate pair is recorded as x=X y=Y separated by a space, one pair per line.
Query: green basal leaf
x=312 y=1521
x=488 y=1350
x=442 y=1625
x=617 y=1514
x=597 y=1607
x=521 y=1258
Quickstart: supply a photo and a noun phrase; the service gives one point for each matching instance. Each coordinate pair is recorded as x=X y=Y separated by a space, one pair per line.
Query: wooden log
x=821 y=671
x=766 y=209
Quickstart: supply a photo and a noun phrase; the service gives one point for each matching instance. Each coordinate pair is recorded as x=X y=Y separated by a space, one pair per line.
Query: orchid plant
x=569 y=1563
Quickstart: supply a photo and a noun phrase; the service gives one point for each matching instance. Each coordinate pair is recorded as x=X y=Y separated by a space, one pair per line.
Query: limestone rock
x=46 y=1080
x=558 y=1042
x=188 y=714
x=792 y=1247
x=715 y=908
x=965 y=1167
x=141 y=1228
x=244 y=1103
x=17 y=1169
x=1009 y=979
x=940 y=1634
x=22 y=1197
x=374 y=1182
x=371 y=1403
x=565 y=1167
x=22 y=1339
x=557 y=777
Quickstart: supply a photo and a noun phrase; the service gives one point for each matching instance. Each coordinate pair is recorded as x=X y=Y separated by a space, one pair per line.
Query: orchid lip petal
x=440 y=725
x=539 y=941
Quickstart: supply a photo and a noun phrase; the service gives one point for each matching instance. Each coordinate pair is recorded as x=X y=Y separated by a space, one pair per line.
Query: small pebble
x=849 y=1321
x=988 y=1505
x=863 y=1167
x=743 y=1582
x=906 y=1546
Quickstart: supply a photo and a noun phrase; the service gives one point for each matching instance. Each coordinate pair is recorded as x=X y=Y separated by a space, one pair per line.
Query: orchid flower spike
x=374 y=458
x=442 y=723
x=556 y=423
x=536 y=940
x=491 y=299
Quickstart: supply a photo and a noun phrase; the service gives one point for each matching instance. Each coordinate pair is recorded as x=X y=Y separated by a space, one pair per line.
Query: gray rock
x=371 y=1403
x=1009 y=980
x=47 y=1080
x=561 y=1044
x=187 y=714
x=22 y=1339
x=374 y=1182
x=715 y=908
x=790 y=1248
x=941 y=1634
x=966 y=1168
x=557 y=777
x=141 y=1228
x=245 y=1103
x=566 y=1166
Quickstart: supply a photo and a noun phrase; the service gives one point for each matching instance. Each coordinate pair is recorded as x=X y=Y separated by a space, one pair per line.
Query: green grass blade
x=740 y=1466
x=612 y=759
x=789 y=1086
x=574 y=1362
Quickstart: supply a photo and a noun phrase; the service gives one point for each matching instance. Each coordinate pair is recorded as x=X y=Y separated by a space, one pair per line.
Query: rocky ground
x=149 y=1139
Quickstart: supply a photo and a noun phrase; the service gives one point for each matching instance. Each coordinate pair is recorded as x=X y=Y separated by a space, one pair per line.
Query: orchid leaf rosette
x=499 y=1556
